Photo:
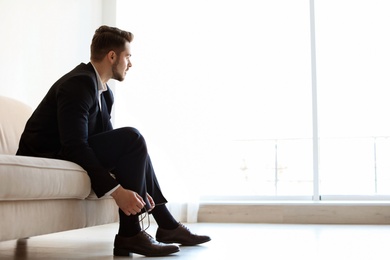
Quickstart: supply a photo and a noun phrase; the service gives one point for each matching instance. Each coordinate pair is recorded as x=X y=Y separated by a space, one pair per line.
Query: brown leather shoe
x=142 y=244
x=181 y=235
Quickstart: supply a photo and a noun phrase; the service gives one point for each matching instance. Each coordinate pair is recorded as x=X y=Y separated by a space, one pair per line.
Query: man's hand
x=151 y=202
x=130 y=202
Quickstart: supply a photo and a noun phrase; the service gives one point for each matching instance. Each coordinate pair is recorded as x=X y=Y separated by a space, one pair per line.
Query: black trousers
x=124 y=153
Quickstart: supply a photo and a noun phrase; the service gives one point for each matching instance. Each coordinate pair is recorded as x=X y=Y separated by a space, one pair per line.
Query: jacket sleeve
x=76 y=100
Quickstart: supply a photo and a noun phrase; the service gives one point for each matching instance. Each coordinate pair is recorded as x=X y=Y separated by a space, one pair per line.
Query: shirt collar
x=101 y=87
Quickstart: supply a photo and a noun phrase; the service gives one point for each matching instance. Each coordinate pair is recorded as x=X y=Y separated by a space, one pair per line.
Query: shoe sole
x=183 y=244
x=126 y=252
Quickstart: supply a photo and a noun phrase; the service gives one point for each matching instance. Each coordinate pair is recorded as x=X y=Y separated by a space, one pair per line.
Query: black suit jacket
x=62 y=123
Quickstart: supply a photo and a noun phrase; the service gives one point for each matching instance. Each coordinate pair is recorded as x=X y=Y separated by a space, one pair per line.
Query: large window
x=353 y=61
x=223 y=92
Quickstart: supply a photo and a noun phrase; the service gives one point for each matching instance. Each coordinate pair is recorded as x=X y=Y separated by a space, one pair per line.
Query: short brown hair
x=108 y=38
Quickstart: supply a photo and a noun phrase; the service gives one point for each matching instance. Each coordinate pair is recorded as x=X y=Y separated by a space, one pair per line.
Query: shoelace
x=183 y=226
x=141 y=220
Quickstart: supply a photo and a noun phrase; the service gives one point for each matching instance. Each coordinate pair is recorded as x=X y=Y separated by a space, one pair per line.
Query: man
x=72 y=123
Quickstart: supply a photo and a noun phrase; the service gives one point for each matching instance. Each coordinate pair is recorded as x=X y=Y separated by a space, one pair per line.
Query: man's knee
x=132 y=135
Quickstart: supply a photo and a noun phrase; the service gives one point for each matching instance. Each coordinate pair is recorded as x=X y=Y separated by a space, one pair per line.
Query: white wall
x=43 y=39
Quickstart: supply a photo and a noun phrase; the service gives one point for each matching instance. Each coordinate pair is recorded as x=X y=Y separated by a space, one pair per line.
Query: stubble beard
x=115 y=73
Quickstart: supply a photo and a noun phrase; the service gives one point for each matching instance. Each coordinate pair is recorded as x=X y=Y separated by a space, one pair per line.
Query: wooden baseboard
x=296 y=213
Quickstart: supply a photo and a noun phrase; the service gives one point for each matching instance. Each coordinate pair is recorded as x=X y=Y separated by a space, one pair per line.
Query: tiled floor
x=229 y=241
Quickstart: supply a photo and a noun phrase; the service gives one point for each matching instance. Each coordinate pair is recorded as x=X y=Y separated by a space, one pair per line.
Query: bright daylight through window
x=223 y=91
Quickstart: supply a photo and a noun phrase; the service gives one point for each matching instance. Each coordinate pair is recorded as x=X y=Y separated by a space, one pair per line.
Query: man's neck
x=102 y=70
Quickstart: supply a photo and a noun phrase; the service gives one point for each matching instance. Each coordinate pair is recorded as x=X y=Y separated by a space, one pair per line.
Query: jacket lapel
x=105 y=111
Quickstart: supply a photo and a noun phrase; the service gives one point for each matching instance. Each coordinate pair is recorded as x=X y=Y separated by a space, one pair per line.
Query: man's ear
x=111 y=55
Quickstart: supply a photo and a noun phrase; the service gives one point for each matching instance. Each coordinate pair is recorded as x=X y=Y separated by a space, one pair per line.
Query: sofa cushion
x=33 y=178
x=14 y=115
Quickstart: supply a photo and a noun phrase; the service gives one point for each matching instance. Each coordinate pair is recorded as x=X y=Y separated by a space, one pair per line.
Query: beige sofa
x=38 y=195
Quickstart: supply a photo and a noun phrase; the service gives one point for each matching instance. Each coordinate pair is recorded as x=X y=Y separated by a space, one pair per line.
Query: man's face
x=122 y=64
